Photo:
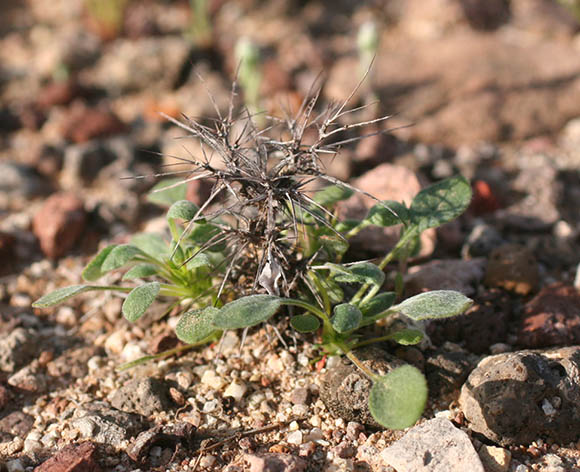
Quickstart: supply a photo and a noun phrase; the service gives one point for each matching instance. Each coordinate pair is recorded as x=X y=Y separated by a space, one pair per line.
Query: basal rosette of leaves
x=190 y=267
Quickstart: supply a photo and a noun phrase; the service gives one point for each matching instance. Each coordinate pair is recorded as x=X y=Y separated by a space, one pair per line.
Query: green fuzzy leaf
x=139 y=299
x=151 y=243
x=329 y=196
x=202 y=233
x=333 y=290
x=397 y=400
x=362 y=272
x=378 y=304
x=120 y=256
x=62 y=294
x=169 y=196
x=387 y=213
x=440 y=203
x=247 y=311
x=434 y=305
x=183 y=209
x=332 y=243
x=346 y=317
x=200 y=260
x=94 y=269
x=140 y=271
x=196 y=325
x=306 y=323
x=407 y=337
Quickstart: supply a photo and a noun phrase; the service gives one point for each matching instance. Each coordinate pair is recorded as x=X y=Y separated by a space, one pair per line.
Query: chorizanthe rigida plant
x=261 y=241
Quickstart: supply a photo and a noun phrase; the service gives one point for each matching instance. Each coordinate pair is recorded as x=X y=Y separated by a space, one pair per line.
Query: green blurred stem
x=355 y=360
x=410 y=233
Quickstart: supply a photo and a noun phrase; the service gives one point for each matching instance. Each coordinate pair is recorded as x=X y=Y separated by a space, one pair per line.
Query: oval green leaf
x=139 y=299
x=329 y=196
x=440 y=203
x=164 y=196
x=62 y=294
x=140 y=271
x=407 y=337
x=196 y=325
x=202 y=233
x=387 y=213
x=434 y=305
x=306 y=323
x=151 y=243
x=397 y=400
x=120 y=256
x=200 y=260
x=183 y=209
x=93 y=269
x=363 y=272
x=378 y=304
x=246 y=311
x=346 y=317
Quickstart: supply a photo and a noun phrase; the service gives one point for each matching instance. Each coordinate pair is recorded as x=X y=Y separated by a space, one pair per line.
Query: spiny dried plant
x=266 y=172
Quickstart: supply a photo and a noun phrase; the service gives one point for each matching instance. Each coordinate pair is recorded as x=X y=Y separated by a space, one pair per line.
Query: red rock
x=84 y=124
x=484 y=201
x=57 y=93
x=73 y=458
x=385 y=182
x=551 y=318
x=59 y=223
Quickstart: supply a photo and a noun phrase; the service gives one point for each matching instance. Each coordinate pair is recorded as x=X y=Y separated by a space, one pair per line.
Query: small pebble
x=210 y=406
x=307 y=449
x=236 y=390
x=353 y=430
x=116 y=342
x=212 y=380
x=295 y=437
x=315 y=421
x=495 y=459
x=184 y=379
x=293 y=426
x=207 y=461
x=547 y=408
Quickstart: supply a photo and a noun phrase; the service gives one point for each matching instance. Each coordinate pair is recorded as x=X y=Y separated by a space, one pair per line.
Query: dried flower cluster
x=265 y=178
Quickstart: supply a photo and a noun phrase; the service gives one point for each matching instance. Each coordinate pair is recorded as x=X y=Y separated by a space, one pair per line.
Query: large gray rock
x=514 y=398
x=434 y=446
x=17 y=348
x=101 y=423
x=143 y=396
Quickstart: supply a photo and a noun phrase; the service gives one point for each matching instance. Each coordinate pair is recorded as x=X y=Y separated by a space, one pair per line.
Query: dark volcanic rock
x=551 y=318
x=142 y=396
x=103 y=424
x=446 y=370
x=17 y=348
x=345 y=389
x=514 y=398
